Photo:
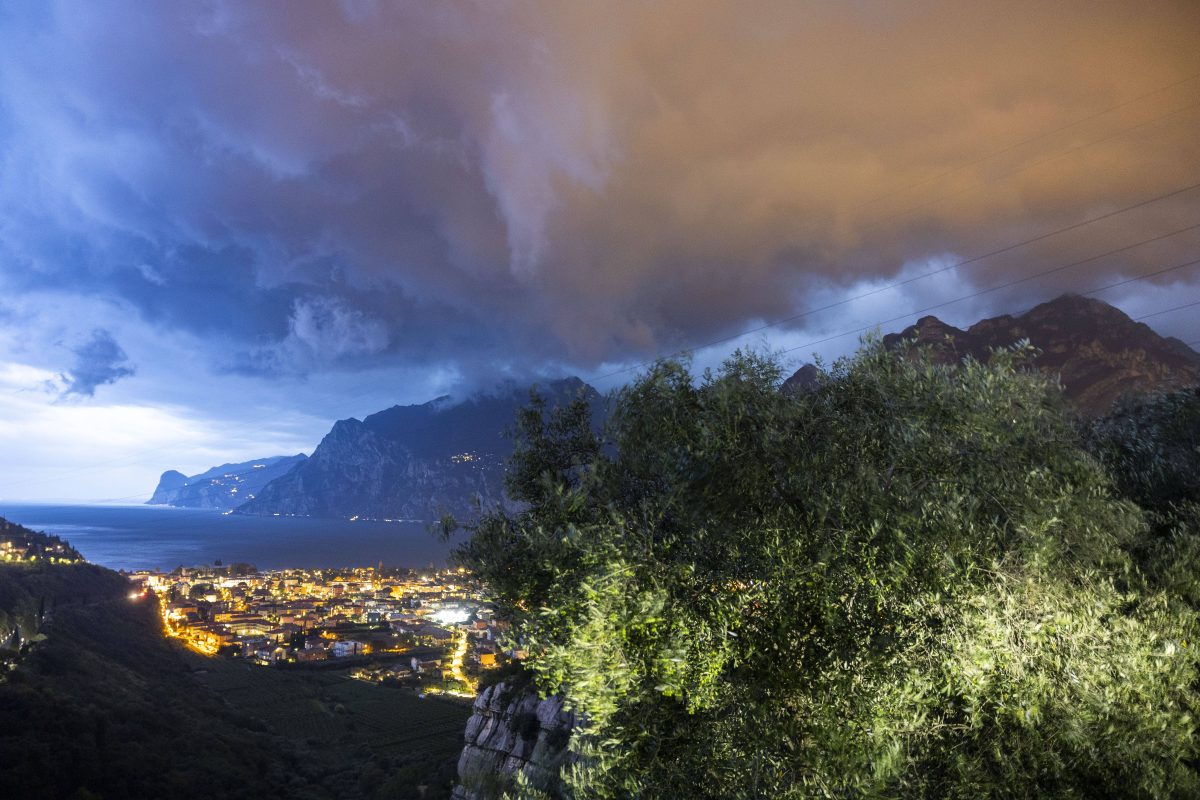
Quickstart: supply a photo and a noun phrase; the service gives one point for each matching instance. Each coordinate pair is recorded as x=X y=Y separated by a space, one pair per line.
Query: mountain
x=223 y=487
x=412 y=462
x=802 y=380
x=1098 y=352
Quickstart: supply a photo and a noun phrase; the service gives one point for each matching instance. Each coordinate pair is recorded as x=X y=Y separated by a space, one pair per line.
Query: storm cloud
x=98 y=361
x=500 y=186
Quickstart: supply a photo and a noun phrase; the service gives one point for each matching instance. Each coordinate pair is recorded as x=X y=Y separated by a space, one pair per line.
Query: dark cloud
x=501 y=186
x=98 y=361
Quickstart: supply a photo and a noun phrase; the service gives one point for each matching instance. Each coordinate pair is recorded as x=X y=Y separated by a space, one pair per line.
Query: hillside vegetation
x=102 y=705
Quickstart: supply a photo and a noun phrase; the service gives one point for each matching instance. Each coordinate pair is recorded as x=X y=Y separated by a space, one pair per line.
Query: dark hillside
x=99 y=704
x=103 y=706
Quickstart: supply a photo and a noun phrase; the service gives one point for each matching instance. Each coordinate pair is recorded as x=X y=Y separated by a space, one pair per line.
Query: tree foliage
x=1152 y=447
x=911 y=580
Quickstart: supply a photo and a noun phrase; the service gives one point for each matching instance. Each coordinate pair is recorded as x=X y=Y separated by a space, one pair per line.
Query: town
x=20 y=545
x=432 y=631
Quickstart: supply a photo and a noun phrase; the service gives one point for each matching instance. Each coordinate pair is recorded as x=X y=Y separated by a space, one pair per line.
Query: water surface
x=157 y=537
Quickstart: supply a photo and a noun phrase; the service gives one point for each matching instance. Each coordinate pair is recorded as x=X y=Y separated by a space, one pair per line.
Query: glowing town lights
x=451 y=615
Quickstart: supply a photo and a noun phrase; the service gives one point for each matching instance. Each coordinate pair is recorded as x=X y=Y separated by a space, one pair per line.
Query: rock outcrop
x=1097 y=351
x=513 y=731
x=803 y=380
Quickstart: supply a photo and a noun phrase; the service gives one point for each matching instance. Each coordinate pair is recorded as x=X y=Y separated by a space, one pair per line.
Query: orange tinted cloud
x=586 y=182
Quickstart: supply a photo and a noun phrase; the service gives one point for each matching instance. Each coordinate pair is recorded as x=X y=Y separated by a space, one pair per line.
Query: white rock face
x=511 y=731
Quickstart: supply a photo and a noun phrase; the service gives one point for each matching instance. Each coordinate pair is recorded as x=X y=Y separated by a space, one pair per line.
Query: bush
x=512 y=674
x=910 y=581
x=1152 y=447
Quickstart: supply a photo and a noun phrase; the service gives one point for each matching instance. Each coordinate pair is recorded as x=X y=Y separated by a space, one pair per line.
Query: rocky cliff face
x=411 y=462
x=1098 y=352
x=803 y=380
x=223 y=487
x=512 y=731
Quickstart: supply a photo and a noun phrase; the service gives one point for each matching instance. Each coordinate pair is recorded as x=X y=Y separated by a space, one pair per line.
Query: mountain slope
x=223 y=487
x=95 y=702
x=411 y=462
x=1098 y=352
x=100 y=704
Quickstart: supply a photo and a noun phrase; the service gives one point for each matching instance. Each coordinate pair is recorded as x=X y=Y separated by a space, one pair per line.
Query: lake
x=162 y=538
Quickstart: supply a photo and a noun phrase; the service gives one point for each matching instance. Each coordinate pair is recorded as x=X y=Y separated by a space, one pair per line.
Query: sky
x=224 y=225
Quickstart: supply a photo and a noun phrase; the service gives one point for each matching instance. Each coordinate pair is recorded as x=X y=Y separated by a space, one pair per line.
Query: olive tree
x=909 y=580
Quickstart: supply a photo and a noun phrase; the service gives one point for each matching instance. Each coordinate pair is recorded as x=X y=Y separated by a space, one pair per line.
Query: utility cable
x=1168 y=310
x=1024 y=168
x=965 y=165
x=913 y=279
x=942 y=304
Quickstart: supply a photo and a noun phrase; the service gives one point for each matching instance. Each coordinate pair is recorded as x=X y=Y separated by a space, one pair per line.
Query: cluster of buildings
x=384 y=624
x=21 y=545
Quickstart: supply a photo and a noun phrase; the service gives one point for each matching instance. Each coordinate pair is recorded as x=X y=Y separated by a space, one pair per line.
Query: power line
x=138 y=456
x=1169 y=310
x=1098 y=257
x=1143 y=277
x=913 y=279
x=935 y=306
x=935 y=201
x=878 y=290
x=808 y=312
x=192 y=518
x=1015 y=145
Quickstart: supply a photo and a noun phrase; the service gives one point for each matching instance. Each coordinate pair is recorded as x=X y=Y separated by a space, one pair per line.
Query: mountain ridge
x=415 y=462
x=1098 y=351
x=421 y=461
x=223 y=487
